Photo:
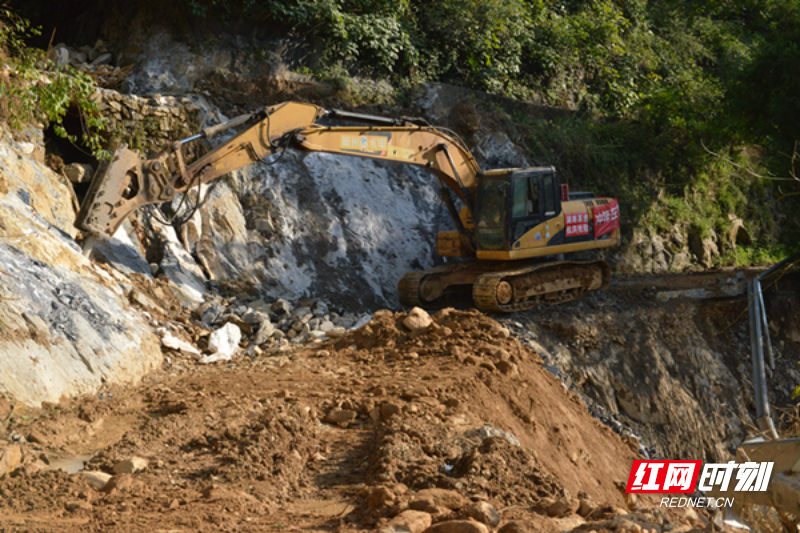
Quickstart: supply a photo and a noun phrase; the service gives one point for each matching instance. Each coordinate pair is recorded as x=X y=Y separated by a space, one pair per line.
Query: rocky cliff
x=65 y=326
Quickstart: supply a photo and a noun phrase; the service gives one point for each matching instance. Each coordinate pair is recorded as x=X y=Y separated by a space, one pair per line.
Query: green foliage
x=375 y=34
x=34 y=89
x=762 y=255
x=714 y=69
x=478 y=43
x=766 y=87
x=661 y=183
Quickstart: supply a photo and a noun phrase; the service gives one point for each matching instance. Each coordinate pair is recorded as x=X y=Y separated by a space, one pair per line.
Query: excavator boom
x=129 y=183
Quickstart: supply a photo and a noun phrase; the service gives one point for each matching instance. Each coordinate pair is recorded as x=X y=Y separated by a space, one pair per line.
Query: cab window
x=550 y=198
x=533 y=196
x=520 y=206
x=527 y=196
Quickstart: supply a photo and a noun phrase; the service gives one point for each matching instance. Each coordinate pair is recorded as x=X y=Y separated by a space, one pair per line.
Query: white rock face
x=169 y=66
x=80 y=331
x=344 y=229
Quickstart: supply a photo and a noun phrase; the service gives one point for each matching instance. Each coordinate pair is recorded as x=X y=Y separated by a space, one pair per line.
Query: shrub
x=35 y=89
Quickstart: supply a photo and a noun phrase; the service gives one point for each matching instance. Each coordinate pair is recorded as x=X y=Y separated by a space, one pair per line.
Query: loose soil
x=343 y=436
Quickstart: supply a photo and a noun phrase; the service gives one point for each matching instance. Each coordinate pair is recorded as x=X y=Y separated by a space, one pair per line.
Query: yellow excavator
x=509 y=226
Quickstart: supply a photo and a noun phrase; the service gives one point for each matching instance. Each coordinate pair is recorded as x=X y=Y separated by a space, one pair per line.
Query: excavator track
x=551 y=283
x=502 y=287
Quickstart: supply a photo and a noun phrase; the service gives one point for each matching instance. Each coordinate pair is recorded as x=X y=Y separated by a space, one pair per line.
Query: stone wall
x=148 y=123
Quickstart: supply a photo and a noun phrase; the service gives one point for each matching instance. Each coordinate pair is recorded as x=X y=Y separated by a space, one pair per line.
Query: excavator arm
x=128 y=182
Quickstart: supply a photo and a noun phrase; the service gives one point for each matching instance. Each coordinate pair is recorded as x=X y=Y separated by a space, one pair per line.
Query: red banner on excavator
x=606 y=218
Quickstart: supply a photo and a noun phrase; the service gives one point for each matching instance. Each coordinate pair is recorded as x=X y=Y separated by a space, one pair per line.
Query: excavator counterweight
x=509 y=223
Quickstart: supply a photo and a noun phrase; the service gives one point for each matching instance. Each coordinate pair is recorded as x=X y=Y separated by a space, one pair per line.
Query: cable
x=175 y=221
x=269 y=141
x=288 y=136
x=453 y=134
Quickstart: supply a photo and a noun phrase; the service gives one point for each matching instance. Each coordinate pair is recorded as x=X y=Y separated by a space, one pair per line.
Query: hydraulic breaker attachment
x=124 y=184
x=128 y=182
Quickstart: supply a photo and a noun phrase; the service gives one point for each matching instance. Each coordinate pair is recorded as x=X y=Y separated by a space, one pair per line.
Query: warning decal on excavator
x=577 y=224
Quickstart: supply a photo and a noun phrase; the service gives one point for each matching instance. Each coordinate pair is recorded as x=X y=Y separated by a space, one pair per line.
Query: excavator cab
x=510 y=204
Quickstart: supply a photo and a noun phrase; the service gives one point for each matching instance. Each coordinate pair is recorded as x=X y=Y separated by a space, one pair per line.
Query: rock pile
x=94 y=60
x=431 y=473
x=276 y=326
x=424 y=423
x=220 y=326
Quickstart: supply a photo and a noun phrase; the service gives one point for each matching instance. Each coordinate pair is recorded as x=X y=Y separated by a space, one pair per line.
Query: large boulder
x=344 y=229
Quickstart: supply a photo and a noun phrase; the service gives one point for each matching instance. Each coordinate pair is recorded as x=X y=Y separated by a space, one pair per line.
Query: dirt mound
x=507 y=472
x=427 y=421
x=271 y=445
x=499 y=384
